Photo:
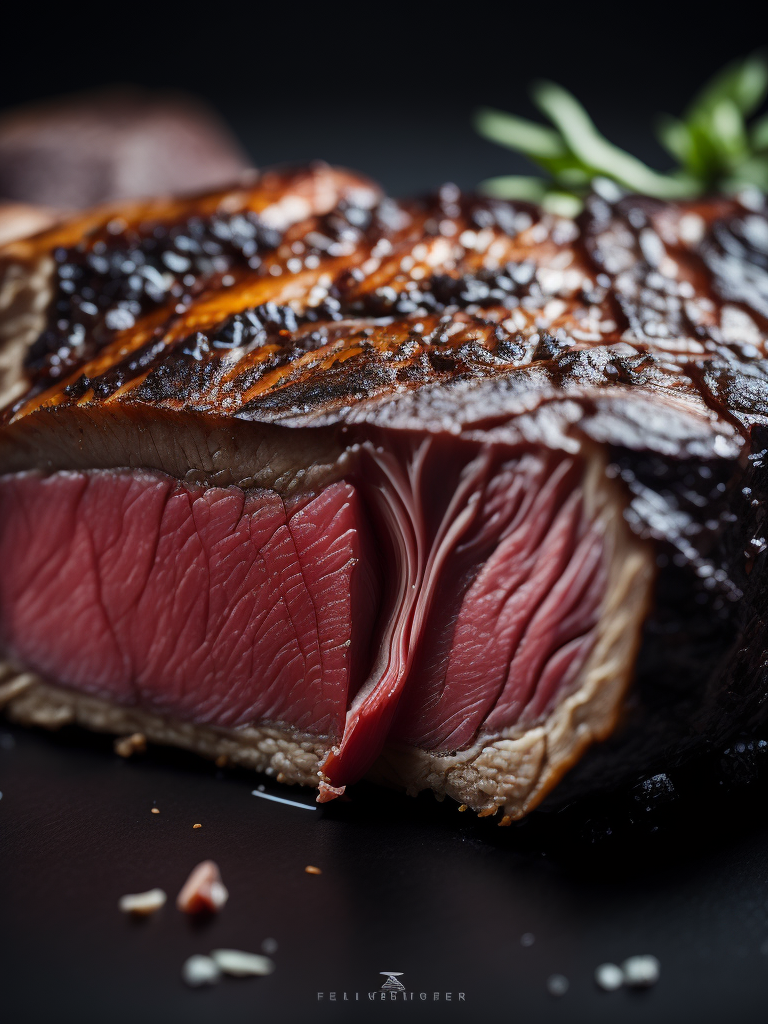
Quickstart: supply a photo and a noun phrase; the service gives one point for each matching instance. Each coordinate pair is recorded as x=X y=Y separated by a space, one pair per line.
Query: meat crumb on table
x=203 y=891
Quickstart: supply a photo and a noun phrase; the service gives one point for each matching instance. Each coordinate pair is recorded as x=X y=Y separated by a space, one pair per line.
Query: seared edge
x=207 y=452
x=286 y=754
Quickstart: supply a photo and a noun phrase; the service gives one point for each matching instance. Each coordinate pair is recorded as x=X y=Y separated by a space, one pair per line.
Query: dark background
x=412 y=885
x=387 y=88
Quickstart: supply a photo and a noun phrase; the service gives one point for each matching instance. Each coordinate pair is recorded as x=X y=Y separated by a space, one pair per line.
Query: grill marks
x=406 y=261
x=124 y=275
x=366 y=300
x=115 y=269
x=333 y=364
x=317 y=262
x=691 y=281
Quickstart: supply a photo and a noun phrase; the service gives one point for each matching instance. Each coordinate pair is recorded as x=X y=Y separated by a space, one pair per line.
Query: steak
x=437 y=492
x=113 y=143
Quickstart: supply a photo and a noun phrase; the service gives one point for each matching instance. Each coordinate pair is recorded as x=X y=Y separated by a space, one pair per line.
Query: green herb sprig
x=715 y=146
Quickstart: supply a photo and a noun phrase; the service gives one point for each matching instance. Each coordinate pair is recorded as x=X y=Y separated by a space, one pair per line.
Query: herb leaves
x=715 y=146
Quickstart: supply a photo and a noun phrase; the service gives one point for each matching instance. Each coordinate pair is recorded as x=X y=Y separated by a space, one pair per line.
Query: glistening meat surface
x=344 y=486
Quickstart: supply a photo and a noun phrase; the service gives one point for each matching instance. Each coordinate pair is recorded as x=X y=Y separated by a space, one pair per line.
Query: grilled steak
x=340 y=486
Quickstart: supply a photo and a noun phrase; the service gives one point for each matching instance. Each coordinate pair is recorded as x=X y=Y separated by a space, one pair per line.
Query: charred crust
x=466 y=287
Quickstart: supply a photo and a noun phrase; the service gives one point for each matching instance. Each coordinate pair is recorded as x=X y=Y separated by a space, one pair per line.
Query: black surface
x=407 y=885
x=387 y=89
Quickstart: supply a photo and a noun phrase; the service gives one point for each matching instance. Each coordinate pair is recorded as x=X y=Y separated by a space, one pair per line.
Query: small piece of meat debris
x=641 y=971
x=311 y=870
x=126 y=746
x=155 y=810
x=240 y=964
x=527 y=939
x=609 y=977
x=557 y=985
x=203 y=891
x=142 y=904
x=200 y=970
x=327 y=792
x=269 y=946
x=197 y=826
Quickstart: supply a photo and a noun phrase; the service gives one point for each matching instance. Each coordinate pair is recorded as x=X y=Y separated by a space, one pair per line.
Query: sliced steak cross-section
x=344 y=487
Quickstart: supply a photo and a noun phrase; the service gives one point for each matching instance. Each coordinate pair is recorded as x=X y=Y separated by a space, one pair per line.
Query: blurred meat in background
x=118 y=143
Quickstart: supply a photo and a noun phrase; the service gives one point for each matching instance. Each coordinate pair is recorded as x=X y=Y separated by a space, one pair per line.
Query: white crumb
x=200 y=970
x=641 y=971
x=142 y=903
x=609 y=977
x=241 y=964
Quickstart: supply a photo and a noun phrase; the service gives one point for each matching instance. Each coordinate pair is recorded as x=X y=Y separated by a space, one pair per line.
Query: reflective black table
x=407 y=886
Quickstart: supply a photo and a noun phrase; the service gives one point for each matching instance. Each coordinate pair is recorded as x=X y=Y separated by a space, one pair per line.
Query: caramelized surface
x=309 y=294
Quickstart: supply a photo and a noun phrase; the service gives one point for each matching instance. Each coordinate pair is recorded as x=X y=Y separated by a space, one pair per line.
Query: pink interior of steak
x=495 y=581
x=520 y=577
x=438 y=591
x=209 y=605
